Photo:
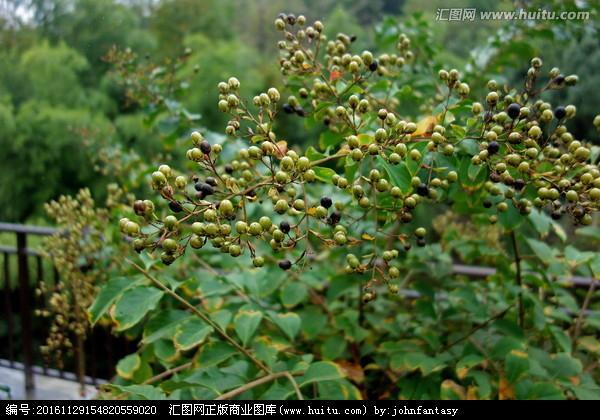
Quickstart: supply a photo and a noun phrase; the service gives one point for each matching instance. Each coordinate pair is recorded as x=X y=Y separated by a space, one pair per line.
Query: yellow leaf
x=462 y=372
x=590 y=344
x=505 y=391
x=519 y=353
x=472 y=393
x=425 y=127
x=453 y=389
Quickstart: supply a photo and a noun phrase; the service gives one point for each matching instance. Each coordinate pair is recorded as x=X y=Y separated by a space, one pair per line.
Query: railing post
x=8 y=310
x=26 y=309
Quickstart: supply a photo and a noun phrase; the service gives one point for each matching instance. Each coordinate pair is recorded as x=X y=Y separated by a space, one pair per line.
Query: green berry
x=281 y=206
x=169 y=245
x=255 y=229
x=226 y=208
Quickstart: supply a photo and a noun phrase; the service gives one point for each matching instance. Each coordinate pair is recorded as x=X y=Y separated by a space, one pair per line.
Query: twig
x=513 y=238
x=167 y=373
x=202 y=316
x=477 y=328
x=260 y=381
x=580 y=318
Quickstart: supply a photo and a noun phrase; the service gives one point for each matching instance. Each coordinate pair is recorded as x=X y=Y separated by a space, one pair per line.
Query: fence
x=25 y=333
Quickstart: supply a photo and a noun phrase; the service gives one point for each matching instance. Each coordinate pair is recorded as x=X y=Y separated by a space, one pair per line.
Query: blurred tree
x=213 y=61
x=92 y=27
x=42 y=156
x=52 y=74
x=173 y=20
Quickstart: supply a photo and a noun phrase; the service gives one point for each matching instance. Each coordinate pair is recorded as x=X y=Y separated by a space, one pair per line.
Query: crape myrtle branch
x=383 y=164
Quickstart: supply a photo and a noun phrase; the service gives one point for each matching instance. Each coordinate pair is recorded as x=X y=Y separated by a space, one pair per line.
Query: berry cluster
x=382 y=168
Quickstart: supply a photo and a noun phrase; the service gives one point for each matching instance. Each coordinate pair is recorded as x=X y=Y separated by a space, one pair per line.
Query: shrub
x=294 y=267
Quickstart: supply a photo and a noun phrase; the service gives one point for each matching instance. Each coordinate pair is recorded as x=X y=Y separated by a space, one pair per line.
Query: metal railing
x=25 y=333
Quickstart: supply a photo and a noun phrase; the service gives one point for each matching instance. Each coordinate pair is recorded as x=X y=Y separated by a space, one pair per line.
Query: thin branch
x=477 y=328
x=580 y=318
x=167 y=373
x=260 y=381
x=515 y=247
x=202 y=316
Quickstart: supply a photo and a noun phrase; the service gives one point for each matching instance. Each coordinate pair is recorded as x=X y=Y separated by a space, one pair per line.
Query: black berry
x=175 y=206
x=287 y=108
x=421 y=242
x=204 y=188
x=373 y=65
x=285 y=264
x=335 y=218
x=519 y=184
x=229 y=169
x=284 y=227
x=300 y=111
x=205 y=147
x=559 y=80
x=556 y=215
x=423 y=190
x=560 y=112
x=513 y=110
x=487 y=204
x=326 y=202
x=493 y=147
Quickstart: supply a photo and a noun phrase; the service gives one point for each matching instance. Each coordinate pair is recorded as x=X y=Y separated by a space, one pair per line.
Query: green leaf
x=321 y=371
x=399 y=174
x=324 y=174
x=564 y=366
x=592 y=232
x=587 y=392
x=313 y=154
x=329 y=139
x=128 y=365
x=163 y=325
x=292 y=293
x=191 y=333
x=516 y=365
x=214 y=353
x=511 y=218
x=246 y=322
x=467 y=363
x=409 y=362
x=341 y=389
x=545 y=391
x=332 y=348
x=111 y=291
x=222 y=318
x=289 y=323
x=562 y=338
x=141 y=392
x=540 y=221
x=133 y=305
x=543 y=251
x=165 y=350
